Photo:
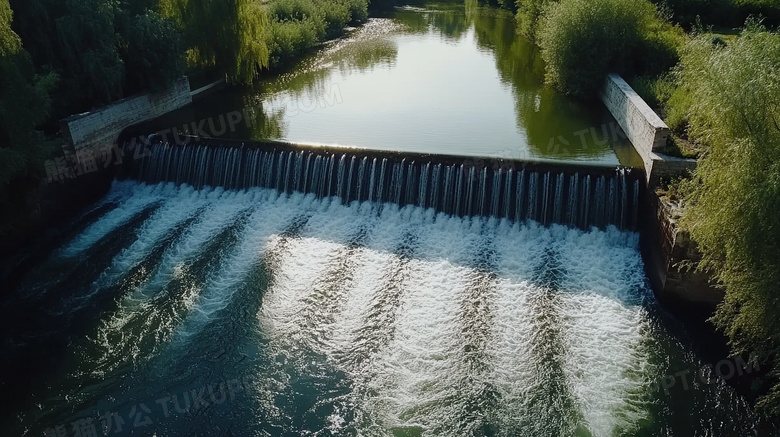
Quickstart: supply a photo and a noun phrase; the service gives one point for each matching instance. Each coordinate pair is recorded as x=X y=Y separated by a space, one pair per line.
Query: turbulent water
x=174 y=311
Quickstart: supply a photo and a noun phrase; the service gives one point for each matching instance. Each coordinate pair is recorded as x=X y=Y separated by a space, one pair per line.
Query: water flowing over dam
x=576 y=196
x=288 y=292
x=228 y=287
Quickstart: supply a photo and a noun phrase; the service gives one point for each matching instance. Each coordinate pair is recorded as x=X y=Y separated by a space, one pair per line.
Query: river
x=169 y=310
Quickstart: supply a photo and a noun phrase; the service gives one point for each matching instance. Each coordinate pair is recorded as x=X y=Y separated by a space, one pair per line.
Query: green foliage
x=227 y=34
x=298 y=25
x=621 y=36
x=152 y=50
x=653 y=90
x=725 y=13
x=293 y=10
x=529 y=12
x=734 y=198
x=677 y=109
x=88 y=52
x=102 y=49
x=24 y=103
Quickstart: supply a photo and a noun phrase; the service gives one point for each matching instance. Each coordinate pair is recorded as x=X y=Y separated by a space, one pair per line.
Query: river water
x=446 y=79
x=175 y=311
x=168 y=310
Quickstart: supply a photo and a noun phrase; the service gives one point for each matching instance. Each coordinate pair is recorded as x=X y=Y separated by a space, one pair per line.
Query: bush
x=583 y=40
x=529 y=12
x=298 y=25
x=294 y=10
x=733 y=200
x=656 y=91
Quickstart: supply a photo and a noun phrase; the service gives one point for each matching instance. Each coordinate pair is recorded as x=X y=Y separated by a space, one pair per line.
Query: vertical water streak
x=495 y=196
x=283 y=182
x=545 y=198
x=341 y=178
x=598 y=210
x=557 y=209
x=423 y=189
x=571 y=212
x=471 y=179
x=586 y=190
x=382 y=178
x=372 y=181
x=328 y=188
x=435 y=183
x=361 y=181
x=306 y=169
x=411 y=189
x=458 y=190
x=533 y=182
x=508 y=184
x=623 y=198
x=268 y=169
x=520 y=214
x=448 y=188
x=611 y=203
x=348 y=195
x=482 y=192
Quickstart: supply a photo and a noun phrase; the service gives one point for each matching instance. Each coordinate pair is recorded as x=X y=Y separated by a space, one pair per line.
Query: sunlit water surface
x=174 y=311
x=446 y=79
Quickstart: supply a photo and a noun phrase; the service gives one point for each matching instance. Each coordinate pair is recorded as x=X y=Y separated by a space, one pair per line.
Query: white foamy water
x=430 y=317
x=133 y=198
x=602 y=300
x=411 y=371
x=173 y=211
x=263 y=226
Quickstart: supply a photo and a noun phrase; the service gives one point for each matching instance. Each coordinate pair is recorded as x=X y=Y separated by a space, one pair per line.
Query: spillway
x=251 y=291
x=574 y=195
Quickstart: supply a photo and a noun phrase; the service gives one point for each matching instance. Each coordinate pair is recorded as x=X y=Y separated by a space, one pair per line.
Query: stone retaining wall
x=102 y=126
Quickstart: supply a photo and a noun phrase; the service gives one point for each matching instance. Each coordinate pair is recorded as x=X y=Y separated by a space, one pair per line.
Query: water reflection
x=447 y=78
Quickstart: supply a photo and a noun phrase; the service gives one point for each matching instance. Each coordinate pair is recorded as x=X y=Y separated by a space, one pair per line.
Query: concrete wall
x=669 y=251
x=644 y=128
x=102 y=126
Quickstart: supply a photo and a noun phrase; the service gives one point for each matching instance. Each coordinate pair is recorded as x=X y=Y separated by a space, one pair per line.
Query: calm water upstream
x=166 y=310
x=446 y=79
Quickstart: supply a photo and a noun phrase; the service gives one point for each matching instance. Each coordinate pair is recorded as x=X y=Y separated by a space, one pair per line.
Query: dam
x=252 y=285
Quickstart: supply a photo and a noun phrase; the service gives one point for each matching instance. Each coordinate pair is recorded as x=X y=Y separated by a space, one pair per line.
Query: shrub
x=529 y=12
x=293 y=10
x=358 y=11
x=583 y=40
x=298 y=25
x=733 y=200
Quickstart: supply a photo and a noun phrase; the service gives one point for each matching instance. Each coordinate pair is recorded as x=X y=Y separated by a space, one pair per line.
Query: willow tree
x=227 y=34
x=734 y=198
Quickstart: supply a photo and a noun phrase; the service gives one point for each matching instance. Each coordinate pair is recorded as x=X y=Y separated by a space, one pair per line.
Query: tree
x=734 y=197
x=24 y=103
x=227 y=34
x=93 y=71
x=102 y=49
x=153 y=53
